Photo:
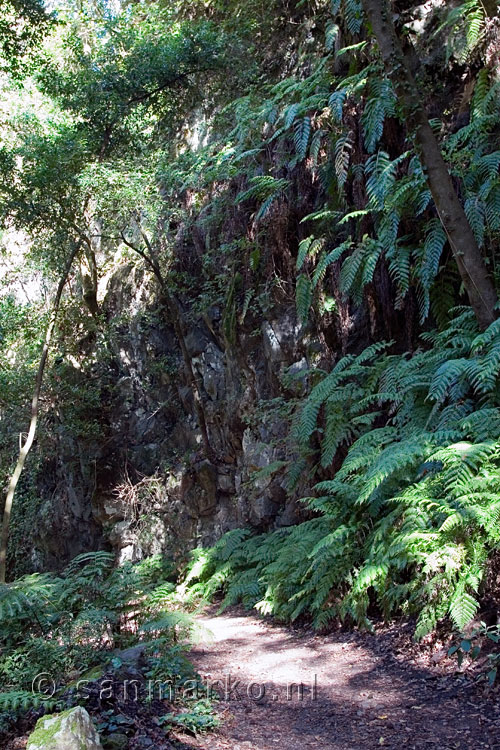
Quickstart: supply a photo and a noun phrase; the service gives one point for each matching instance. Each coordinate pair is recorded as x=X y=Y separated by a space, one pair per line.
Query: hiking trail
x=358 y=693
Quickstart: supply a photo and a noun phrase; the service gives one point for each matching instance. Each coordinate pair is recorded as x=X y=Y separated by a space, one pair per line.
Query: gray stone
x=272 y=346
x=133 y=656
x=211 y=366
x=297 y=375
x=225 y=483
x=130 y=553
x=206 y=475
x=196 y=342
x=121 y=535
x=262 y=510
x=70 y=730
x=280 y=336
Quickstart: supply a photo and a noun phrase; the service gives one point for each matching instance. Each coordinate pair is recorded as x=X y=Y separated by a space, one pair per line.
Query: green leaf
x=302 y=132
x=303 y=294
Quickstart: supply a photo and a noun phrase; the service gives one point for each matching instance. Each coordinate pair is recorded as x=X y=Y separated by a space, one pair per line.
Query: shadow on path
x=353 y=696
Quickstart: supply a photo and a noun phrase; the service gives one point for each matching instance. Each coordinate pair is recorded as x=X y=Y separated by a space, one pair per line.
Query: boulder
x=70 y=730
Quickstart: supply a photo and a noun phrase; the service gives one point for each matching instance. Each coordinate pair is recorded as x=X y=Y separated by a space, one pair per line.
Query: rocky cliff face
x=124 y=463
x=142 y=483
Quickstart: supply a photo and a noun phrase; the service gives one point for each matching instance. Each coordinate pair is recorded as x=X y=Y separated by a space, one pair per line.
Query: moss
x=91 y=675
x=42 y=734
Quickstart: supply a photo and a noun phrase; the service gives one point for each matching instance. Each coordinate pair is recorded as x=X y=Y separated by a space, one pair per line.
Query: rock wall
x=143 y=485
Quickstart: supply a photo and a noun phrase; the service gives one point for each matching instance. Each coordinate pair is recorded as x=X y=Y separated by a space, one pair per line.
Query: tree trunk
x=490 y=7
x=88 y=273
x=35 y=408
x=471 y=266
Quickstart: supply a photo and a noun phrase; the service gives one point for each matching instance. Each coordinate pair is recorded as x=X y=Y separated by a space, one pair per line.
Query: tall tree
x=473 y=272
x=113 y=88
x=35 y=409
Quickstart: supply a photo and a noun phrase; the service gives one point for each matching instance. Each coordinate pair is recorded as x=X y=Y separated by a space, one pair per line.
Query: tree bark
x=490 y=7
x=466 y=252
x=88 y=273
x=35 y=408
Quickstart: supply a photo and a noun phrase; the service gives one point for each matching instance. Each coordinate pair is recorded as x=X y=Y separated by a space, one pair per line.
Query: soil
x=284 y=689
x=360 y=691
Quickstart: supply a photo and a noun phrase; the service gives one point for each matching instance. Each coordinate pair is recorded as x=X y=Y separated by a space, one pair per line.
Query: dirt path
x=357 y=693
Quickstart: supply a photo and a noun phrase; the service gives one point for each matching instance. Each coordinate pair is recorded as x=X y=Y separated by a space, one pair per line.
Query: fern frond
x=303 y=296
x=302 y=134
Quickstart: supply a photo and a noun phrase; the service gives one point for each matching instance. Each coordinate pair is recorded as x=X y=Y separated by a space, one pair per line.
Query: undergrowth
x=408 y=521
x=56 y=630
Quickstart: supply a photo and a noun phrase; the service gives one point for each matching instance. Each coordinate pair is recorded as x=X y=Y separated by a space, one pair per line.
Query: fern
x=308 y=247
x=315 y=147
x=91 y=564
x=331 y=34
x=463 y=607
x=475 y=212
x=22 y=700
x=379 y=105
x=303 y=294
x=353 y=10
x=380 y=171
x=265 y=188
x=326 y=260
x=435 y=241
x=302 y=134
x=267 y=471
x=409 y=518
x=343 y=147
x=466 y=26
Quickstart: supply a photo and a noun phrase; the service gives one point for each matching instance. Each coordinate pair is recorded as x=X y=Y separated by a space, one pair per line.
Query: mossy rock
x=69 y=730
x=91 y=675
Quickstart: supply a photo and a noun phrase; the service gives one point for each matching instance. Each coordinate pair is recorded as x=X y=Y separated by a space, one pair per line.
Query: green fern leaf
x=303 y=295
x=463 y=607
x=302 y=133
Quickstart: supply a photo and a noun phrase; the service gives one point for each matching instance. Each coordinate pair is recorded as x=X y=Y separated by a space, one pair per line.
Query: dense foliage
x=409 y=515
x=243 y=158
x=413 y=511
x=61 y=633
